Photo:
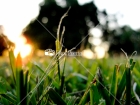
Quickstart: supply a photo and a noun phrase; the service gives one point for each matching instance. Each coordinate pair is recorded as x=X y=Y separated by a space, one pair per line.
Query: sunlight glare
x=87 y=53
x=16 y=19
x=95 y=41
x=100 y=52
x=96 y=32
x=22 y=47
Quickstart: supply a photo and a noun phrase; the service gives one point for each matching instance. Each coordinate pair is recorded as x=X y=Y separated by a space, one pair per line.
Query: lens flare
x=21 y=47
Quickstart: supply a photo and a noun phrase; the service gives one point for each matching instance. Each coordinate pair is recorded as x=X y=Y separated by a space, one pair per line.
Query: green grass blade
x=131 y=61
x=42 y=96
x=4 y=86
x=26 y=86
x=4 y=101
x=21 y=82
x=32 y=99
x=121 y=87
x=57 y=44
x=62 y=79
x=72 y=100
x=132 y=65
x=83 y=100
x=21 y=90
x=113 y=89
x=104 y=94
x=55 y=97
x=122 y=83
x=102 y=89
x=102 y=102
x=62 y=85
x=94 y=95
x=128 y=86
x=11 y=95
x=40 y=69
x=10 y=98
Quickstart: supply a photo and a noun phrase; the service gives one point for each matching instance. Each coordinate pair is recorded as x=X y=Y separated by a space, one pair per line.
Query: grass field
x=108 y=81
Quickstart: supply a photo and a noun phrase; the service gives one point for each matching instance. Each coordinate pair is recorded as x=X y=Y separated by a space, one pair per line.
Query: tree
x=75 y=23
x=127 y=39
x=119 y=36
x=4 y=41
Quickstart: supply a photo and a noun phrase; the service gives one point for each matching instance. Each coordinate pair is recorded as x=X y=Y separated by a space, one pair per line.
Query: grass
x=101 y=83
x=70 y=81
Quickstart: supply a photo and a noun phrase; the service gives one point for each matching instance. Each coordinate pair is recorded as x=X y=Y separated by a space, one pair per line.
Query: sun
x=21 y=47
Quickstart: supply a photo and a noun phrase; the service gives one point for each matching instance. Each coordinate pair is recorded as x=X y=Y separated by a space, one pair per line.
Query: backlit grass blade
x=21 y=82
x=19 y=77
x=62 y=79
x=57 y=44
x=13 y=64
x=113 y=89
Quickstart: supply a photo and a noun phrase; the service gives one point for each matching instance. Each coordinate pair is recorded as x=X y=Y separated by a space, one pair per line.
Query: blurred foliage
x=4 y=41
x=119 y=36
x=48 y=19
x=125 y=38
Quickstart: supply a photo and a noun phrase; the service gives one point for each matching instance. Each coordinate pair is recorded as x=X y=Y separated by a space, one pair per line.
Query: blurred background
x=97 y=28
